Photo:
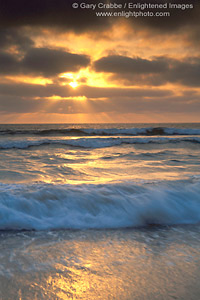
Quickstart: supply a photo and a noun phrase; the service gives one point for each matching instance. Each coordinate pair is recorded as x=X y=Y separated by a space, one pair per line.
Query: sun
x=73 y=84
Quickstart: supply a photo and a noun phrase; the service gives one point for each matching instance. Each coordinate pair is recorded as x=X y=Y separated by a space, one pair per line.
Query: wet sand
x=143 y=263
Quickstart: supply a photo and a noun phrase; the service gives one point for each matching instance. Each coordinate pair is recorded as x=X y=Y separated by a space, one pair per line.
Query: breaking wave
x=48 y=206
x=94 y=142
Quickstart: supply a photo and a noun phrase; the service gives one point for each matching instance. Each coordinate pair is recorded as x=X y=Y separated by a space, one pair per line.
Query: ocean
x=100 y=211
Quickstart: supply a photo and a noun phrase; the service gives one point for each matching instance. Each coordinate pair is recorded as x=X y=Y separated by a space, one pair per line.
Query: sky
x=60 y=64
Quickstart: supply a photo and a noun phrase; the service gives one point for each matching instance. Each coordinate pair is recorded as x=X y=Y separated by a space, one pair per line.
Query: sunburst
x=73 y=84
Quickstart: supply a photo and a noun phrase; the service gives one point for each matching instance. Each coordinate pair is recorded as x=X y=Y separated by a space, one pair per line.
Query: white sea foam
x=95 y=142
x=143 y=131
x=47 y=206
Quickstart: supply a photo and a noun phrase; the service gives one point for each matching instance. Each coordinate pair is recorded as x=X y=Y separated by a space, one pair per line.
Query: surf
x=93 y=143
x=146 y=131
x=98 y=206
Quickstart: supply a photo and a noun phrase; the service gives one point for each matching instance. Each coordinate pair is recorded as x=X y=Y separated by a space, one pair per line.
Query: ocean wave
x=94 y=142
x=150 y=131
x=47 y=206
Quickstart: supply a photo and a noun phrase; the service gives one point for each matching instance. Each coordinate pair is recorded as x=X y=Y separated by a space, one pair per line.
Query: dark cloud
x=10 y=37
x=8 y=64
x=130 y=71
x=158 y=71
x=180 y=18
x=49 y=62
x=60 y=14
x=186 y=72
x=124 y=64
x=42 y=62
x=54 y=13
